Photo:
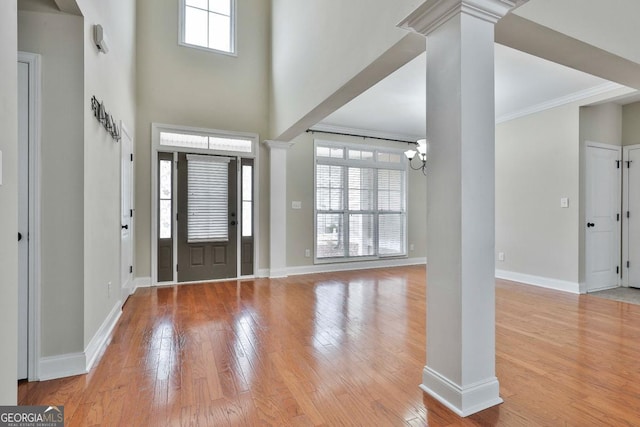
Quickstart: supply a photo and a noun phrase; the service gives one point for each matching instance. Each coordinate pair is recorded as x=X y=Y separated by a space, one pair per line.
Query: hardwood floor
x=346 y=349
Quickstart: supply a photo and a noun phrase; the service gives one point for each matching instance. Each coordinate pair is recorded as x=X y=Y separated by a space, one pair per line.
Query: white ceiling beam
x=543 y=42
x=68 y=6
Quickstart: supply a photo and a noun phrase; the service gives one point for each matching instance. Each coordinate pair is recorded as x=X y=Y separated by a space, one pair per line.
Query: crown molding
x=433 y=13
x=364 y=133
x=563 y=100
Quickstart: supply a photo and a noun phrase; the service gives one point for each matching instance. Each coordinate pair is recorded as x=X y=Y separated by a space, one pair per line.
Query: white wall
x=112 y=79
x=8 y=202
x=58 y=39
x=191 y=87
x=300 y=187
x=320 y=45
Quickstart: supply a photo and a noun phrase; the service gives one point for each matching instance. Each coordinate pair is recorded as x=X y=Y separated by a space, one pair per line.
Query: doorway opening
x=29 y=77
x=203 y=205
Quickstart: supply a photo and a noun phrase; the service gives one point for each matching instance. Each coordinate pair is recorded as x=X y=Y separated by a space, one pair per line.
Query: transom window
x=208 y=24
x=206 y=142
x=360 y=202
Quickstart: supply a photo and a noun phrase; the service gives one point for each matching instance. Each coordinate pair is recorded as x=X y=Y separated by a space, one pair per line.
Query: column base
x=464 y=401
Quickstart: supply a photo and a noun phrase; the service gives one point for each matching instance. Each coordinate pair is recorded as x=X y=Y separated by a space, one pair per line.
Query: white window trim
x=234 y=38
x=156 y=128
x=402 y=166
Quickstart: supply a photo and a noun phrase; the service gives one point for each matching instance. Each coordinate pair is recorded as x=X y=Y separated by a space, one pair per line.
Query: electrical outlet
x=411 y=247
x=500 y=256
x=109 y=289
x=307 y=253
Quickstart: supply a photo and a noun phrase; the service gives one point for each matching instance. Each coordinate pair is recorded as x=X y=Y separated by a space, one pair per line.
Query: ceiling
x=397 y=105
x=591 y=35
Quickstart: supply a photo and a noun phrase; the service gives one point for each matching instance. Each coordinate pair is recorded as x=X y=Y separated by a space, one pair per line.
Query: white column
x=278 y=208
x=460 y=369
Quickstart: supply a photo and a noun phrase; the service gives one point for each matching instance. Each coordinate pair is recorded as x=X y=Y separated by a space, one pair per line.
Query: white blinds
x=208 y=198
x=360 y=203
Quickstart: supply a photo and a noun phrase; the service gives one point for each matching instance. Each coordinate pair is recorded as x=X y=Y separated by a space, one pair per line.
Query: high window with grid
x=208 y=24
x=360 y=202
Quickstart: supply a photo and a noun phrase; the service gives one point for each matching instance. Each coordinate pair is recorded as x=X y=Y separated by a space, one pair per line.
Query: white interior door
x=126 y=196
x=603 y=180
x=23 y=219
x=631 y=216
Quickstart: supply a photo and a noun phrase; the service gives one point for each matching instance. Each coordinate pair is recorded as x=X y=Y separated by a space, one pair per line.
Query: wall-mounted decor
x=105 y=118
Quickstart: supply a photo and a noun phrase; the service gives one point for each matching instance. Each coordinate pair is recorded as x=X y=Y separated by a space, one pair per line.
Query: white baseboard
x=464 y=401
x=64 y=365
x=67 y=365
x=361 y=265
x=262 y=273
x=141 y=282
x=543 y=282
x=101 y=338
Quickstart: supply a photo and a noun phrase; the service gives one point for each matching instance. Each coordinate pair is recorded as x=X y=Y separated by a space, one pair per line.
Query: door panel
x=602 y=210
x=126 y=195
x=207 y=260
x=23 y=219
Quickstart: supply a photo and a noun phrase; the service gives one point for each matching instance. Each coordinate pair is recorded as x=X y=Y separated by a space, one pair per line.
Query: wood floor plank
x=346 y=349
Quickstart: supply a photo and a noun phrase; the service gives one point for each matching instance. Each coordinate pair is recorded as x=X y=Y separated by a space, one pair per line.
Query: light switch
x=564 y=202
x=296 y=205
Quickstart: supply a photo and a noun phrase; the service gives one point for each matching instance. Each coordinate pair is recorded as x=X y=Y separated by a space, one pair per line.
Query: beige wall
x=320 y=45
x=537 y=164
x=300 y=187
x=631 y=124
x=539 y=159
x=601 y=123
x=8 y=201
x=191 y=87
x=58 y=39
x=111 y=78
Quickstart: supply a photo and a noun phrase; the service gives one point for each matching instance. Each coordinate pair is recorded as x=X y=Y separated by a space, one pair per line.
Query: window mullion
x=376 y=213
x=345 y=204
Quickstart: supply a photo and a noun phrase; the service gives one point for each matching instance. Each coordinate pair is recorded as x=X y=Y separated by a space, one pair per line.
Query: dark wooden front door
x=202 y=256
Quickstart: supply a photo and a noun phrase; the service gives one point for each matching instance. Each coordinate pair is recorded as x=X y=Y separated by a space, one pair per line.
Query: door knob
x=590 y=224
x=125 y=227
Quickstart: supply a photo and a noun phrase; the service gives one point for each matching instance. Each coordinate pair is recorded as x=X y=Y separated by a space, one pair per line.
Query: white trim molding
x=101 y=339
x=563 y=100
x=356 y=265
x=433 y=13
x=64 y=365
x=67 y=365
x=141 y=282
x=463 y=400
x=542 y=282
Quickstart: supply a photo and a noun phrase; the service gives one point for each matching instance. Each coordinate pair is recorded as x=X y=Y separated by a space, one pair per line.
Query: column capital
x=278 y=144
x=433 y=13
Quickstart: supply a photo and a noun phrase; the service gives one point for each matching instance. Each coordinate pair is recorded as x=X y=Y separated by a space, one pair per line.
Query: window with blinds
x=360 y=196
x=208 y=198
